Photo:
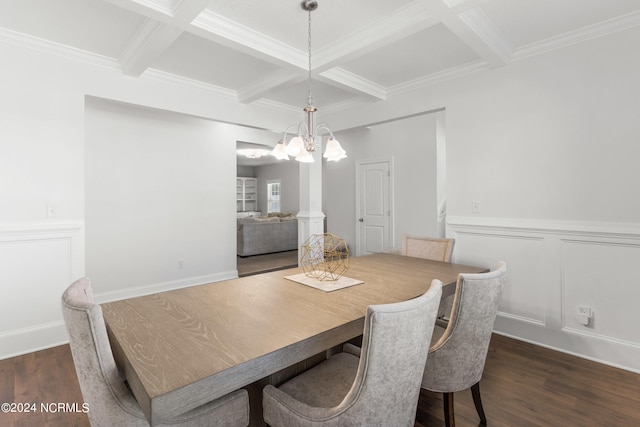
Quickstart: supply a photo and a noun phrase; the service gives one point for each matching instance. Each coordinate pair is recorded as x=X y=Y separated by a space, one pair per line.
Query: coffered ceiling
x=256 y=50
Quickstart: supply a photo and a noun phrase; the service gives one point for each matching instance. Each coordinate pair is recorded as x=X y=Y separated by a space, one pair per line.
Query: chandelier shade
x=280 y=151
x=296 y=145
x=334 y=150
x=303 y=144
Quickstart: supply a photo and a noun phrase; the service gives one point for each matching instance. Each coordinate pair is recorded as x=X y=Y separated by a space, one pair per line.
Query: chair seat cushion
x=326 y=384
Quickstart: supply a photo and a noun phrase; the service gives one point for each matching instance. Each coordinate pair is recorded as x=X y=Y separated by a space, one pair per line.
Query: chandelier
x=308 y=135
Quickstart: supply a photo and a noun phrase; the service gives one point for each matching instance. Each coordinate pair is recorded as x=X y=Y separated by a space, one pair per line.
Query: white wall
x=42 y=162
x=411 y=144
x=548 y=146
x=288 y=174
x=160 y=199
x=245 y=171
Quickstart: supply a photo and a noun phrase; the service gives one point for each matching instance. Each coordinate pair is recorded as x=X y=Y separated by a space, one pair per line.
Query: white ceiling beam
x=464 y=18
x=154 y=37
x=259 y=88
x=402 y=23
x=151 y=40
x=471 y=25
x=477 y=31
x=221 y=30
x=294 y=62
x=414 y=17
x=351 y=82
x=159 y=10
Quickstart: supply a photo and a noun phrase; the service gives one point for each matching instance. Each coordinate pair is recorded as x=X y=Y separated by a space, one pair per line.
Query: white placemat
x=324 y=285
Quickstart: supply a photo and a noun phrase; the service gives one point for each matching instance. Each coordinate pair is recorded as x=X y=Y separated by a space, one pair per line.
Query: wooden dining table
x=183 y=348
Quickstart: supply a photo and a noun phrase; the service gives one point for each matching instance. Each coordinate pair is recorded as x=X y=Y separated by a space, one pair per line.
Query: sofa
x=263 y=235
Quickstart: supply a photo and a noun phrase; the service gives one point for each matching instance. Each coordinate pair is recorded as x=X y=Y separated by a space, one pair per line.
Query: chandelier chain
x=309 y=98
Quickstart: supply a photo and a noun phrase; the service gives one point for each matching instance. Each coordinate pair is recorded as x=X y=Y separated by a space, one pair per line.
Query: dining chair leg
x=477 y=401
x=449 y=419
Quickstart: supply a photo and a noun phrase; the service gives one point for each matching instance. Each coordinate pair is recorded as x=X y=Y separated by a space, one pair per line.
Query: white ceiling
x=363 y=50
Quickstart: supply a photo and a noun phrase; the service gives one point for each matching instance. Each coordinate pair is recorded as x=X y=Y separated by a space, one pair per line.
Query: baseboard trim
x=46 y=335
x=597 y=348
x=104 y=297
x=27 y=340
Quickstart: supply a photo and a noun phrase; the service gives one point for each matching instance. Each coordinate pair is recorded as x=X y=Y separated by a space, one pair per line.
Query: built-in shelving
x=246 y=194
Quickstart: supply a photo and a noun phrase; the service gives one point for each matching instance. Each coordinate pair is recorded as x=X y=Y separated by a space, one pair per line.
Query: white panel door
x=373 y=207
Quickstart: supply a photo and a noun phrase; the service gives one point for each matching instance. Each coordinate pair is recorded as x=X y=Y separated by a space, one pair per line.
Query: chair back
x=427 y=247
x=102 y=388
x=394 y=349
x=457 y=359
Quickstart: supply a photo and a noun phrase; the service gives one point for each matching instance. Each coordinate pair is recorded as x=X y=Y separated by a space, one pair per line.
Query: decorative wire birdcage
x=324 y=257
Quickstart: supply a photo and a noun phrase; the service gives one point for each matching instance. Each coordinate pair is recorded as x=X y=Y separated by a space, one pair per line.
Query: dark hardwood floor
x=523 y=385
x=45 y=377
x=256 y=264
x=527 y=385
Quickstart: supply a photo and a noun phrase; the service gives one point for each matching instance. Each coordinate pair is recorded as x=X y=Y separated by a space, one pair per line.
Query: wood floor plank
x=51 y=367
x=45 y=377
x=526 y=385
x=523 y=386
x=7 y=390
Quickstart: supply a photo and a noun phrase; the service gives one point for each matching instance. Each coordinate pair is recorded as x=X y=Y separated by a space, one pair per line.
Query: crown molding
x=573 y=37
x=352 y=103
x=259 y=87
x=580 y=35
x=438 y=77
x=257 y=42
x=354 y=83
x=165 y=77
x=275 y=105
x=223 y=30
x=57 y=49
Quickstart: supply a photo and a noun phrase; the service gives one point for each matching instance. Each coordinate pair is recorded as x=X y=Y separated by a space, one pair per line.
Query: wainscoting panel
x=32 y=286
x=523 y=296
x=38 y=263
x=553 y=268
x=603 y=277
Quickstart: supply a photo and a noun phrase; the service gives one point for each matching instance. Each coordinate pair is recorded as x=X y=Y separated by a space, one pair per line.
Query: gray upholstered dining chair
x=432 y=248
x=379 y=388
x=110 y=401
x=435 y=249
x=458 y=352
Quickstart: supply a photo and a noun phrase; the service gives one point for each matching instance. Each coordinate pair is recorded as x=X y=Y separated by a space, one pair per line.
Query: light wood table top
x=180 y=349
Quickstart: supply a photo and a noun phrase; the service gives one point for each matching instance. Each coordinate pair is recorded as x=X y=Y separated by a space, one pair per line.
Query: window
x=273 y=196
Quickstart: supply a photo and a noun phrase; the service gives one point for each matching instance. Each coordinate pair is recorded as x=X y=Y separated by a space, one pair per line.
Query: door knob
x=361 y=219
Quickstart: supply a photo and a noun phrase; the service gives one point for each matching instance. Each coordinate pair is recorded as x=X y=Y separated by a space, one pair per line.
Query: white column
x=310 y=217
